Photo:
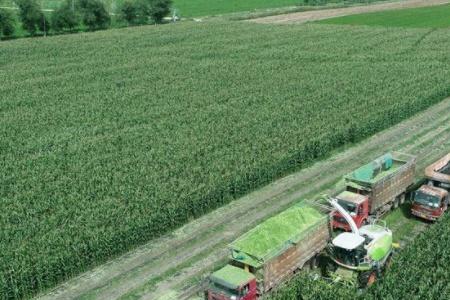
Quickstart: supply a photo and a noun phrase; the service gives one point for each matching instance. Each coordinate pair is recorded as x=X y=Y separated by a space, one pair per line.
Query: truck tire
x=395 y=204
x=326 y=265
x=368 y=278
x=402 y=198
x=314 y=262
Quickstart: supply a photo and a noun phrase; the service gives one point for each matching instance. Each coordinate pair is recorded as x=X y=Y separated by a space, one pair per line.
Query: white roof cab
x=348 y=241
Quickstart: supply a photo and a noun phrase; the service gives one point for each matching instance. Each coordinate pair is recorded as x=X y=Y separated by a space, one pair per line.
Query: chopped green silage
x=271 y=236
x=380 y=175
x=232 y=277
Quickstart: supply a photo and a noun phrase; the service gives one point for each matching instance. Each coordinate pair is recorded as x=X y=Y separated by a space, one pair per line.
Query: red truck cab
x=357 y=206
x=430 y=202
x=231 y=283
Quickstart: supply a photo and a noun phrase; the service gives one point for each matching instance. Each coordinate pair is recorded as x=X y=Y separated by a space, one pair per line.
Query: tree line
x=74 y=15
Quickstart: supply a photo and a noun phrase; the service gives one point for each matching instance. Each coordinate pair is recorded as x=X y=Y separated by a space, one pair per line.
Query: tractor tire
x=367 y=279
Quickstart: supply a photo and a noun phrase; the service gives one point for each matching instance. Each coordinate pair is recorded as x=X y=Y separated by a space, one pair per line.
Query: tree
x=31 y=16
x=7 y=23
x=94 y=14
x=65 y=17
x=130 y=11
x=158 y=9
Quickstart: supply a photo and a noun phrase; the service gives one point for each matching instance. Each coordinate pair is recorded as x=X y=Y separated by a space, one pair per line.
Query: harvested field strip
x=302 y=17
x=431 y=17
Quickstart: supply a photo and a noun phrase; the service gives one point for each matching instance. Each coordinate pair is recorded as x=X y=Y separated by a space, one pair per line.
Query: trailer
x=438 y=173
x=271 y=253
x=375 y=188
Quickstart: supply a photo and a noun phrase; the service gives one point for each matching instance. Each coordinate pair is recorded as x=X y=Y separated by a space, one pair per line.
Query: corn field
x=421 y=271
x=110 y=139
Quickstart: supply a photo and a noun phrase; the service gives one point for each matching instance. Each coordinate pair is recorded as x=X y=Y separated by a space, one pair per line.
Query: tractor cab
x=356 y=205
x=348 y=249
x=430 y=202
x=231 y=283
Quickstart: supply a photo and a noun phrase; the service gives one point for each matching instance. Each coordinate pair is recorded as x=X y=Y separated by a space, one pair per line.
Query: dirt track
x=172 y=263
x=307 y=16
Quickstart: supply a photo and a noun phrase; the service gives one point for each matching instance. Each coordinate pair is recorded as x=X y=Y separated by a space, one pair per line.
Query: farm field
x=432 y=17
x=323 y=14
x=419 y=271
x=101 y=155
x=177 y=263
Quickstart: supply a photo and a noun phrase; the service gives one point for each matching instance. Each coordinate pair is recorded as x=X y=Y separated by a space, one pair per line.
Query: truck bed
x=274 y=249
x=383 y=184
x=439 y=170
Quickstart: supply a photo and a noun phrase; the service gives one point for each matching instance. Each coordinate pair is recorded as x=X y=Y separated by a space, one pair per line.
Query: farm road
x=307 y=16
x=173 y=262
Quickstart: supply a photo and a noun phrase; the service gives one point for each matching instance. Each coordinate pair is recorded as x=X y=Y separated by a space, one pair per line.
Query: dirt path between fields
x=176 y=260
x=307 y=16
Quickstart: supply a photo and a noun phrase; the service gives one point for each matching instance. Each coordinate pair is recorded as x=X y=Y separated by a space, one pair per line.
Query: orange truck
x=431 y=200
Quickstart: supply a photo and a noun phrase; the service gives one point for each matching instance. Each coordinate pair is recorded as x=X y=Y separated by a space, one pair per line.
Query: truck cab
x=231 y=283
x=356 y=205
x=430 y=202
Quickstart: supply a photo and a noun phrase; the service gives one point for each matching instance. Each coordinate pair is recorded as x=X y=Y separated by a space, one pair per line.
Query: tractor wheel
x=367 y=279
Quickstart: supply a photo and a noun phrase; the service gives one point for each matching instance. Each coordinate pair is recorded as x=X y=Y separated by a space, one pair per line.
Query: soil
x=308 y=16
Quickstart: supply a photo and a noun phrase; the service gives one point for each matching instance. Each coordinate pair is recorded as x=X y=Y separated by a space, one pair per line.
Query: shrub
x=31 y=16
x=158 y=9
x=94 y=14
x=130 y=11
x=7 y=23
x=65 y=17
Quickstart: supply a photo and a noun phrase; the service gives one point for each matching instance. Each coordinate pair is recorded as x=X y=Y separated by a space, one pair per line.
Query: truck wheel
x=326 y=265
x=367 y=279
x=314 y=262
x=402 y=198
x=395 y=204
